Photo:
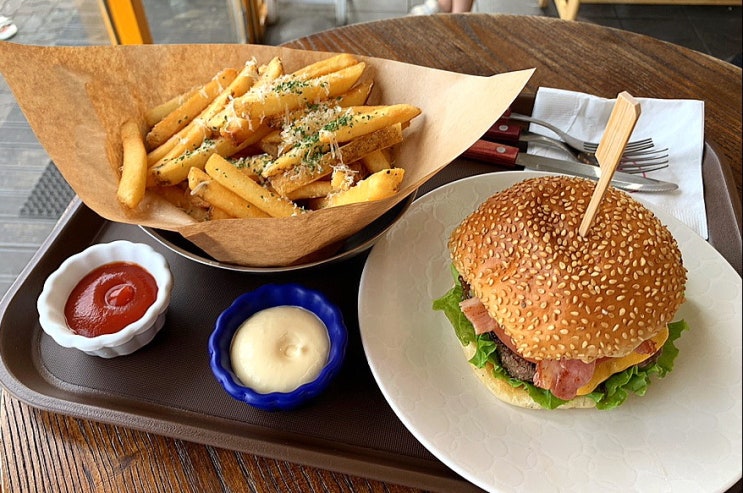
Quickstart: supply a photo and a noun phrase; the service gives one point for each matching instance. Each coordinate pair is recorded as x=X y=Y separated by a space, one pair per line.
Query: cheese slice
x=610 y=366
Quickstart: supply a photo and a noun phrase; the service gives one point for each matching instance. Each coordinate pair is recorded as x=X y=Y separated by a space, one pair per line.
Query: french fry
x=236 y=181
x=341 y=179
x=226 y=121
x=345 y=176
x=161 y=151
x=269 y=148
x=204 y=186
x=294 y=157
x=238 y=129
x=380 y=139
x=217 y=213
x=306 y=122
x=252 y=165
x=307 y=152
x=270 y=71
x=369 y=121
x=290 y=180
x=176 y=195
x=313 y=190
x=190 y=109
x=244 y=80
x=288 y=93
x=377 y=160
x=193 y=136
x=301 y=127
x=325 y=66
x=154 y=115
x=176 y=170
x=265 y=75
x=256 y=77
x=242 y=83
x=274 y=137
x=194 y=206
x=133 y=180
x=378 y=186
x=357 y=95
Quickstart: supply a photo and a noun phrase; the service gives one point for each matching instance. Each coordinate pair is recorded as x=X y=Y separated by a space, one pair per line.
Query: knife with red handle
x=503 y=130
x=493 y=153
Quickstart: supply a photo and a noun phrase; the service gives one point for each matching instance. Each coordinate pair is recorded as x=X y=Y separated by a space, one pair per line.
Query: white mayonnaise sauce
x=280 y=348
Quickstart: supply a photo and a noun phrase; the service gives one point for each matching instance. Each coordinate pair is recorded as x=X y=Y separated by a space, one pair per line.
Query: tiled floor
x=715 y=30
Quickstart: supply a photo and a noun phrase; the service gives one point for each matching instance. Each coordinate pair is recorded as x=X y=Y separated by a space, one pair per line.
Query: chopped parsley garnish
x=291 y=86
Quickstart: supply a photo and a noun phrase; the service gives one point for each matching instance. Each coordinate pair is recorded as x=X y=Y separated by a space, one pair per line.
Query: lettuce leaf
x=610 y=394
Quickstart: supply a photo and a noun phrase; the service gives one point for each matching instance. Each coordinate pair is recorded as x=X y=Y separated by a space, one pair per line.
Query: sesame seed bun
x=559 y=295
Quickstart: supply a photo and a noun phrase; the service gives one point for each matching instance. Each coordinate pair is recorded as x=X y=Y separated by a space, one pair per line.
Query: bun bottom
x=515 y=396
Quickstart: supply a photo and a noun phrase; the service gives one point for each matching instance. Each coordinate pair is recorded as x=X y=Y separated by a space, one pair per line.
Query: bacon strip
x=563 y=377
x=476 y=313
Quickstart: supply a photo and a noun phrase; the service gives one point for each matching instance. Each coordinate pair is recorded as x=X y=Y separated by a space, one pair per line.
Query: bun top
x=559 y=295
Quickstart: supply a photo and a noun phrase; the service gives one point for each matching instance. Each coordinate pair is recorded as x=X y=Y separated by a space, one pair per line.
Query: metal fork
x=579 y=144
x=641 y=161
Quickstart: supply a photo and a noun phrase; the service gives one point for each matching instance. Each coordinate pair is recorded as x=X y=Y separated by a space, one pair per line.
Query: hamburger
x=549 y=318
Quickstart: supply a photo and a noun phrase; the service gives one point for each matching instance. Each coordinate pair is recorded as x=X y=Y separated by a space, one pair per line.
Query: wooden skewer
x=621 y=123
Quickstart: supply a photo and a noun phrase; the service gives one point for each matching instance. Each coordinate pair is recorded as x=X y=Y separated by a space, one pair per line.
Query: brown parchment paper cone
x=75 y=99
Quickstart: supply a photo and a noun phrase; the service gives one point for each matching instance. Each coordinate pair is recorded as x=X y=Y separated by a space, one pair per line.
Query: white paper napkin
x=674 y=124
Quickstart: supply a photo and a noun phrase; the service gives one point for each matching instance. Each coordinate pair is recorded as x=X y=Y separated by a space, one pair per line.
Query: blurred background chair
x=251 y=17
x=126 y=22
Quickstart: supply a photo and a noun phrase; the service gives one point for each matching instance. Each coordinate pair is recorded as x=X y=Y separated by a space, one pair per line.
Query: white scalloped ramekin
x=61 y=282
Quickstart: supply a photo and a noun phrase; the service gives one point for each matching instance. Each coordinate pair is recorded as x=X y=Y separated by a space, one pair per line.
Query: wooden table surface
x=43 y=451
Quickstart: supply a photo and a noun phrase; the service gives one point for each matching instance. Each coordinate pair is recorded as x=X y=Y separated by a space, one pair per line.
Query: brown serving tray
x=167 y=387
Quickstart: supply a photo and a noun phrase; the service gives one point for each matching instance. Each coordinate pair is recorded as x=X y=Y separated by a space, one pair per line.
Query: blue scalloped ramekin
x=268 y=296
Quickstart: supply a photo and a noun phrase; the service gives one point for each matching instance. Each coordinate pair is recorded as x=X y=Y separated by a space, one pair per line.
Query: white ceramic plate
x=683 y=435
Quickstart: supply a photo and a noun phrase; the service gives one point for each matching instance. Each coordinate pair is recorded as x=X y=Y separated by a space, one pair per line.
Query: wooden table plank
x=48 y=452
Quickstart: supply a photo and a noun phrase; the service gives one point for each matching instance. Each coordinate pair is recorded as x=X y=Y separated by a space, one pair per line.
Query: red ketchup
x=109 y=298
